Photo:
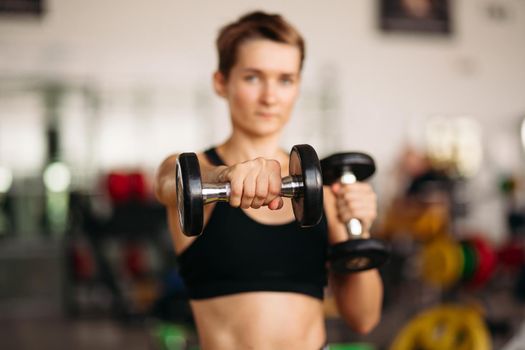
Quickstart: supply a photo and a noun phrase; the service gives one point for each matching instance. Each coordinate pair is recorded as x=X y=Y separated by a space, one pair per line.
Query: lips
x=266 y=114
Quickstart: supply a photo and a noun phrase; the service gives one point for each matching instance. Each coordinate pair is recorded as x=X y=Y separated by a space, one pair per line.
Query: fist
x=357 y=200
x=254 y=183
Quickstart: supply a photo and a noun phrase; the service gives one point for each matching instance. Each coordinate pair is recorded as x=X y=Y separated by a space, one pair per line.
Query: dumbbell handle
x=291 y=187
x=354 y=227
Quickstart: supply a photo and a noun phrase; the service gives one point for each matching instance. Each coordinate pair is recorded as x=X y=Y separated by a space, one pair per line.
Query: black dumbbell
x=357 y=253
x=304 y=185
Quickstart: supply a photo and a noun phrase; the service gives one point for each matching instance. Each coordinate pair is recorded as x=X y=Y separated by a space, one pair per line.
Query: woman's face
x=262 y=86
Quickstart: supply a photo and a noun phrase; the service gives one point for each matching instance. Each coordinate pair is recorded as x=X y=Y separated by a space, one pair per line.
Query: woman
x=254 y=277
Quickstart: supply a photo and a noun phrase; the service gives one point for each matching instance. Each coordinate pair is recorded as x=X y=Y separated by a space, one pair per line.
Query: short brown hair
x=255 y=25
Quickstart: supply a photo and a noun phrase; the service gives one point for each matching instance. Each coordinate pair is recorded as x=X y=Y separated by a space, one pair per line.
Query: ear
x=219 y=84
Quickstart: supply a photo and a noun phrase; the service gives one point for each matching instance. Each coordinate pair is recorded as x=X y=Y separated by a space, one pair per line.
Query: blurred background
x=95 y=94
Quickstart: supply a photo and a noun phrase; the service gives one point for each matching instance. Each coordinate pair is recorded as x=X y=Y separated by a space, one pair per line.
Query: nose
x=269 y=93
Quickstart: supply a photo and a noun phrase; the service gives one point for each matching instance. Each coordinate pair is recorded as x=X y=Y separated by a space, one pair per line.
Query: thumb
x=336 y=187
x=276 y=203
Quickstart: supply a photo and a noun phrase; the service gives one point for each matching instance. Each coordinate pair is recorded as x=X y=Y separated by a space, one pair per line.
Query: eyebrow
x=258 y=71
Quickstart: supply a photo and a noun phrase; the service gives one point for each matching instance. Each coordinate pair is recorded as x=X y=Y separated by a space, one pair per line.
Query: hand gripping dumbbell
x=357 y=253
x=304 y=185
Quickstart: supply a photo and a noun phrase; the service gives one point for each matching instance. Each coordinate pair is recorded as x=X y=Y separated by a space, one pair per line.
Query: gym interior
x=95 y=94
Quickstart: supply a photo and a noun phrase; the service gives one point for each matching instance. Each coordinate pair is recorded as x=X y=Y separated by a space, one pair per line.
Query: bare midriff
x=260 y=320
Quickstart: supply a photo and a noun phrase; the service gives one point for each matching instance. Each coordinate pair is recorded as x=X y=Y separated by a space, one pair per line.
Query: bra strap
x=214 y=157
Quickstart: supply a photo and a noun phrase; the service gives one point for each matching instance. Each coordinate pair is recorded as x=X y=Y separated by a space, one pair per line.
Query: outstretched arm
x=253 y=184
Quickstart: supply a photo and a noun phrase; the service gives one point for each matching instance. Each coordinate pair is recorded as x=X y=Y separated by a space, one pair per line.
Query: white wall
x=386 y=86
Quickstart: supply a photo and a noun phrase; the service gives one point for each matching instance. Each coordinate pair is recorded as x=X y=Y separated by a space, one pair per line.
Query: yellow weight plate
x=422 y=221
x=444 y=327
x=432 y=222
x=442 y=262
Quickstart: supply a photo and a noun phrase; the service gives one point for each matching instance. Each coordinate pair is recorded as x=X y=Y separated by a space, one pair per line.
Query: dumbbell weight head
x=308 y=207
x=357 y=255
x=347 y=168
x=360 y=164
x=189 y=194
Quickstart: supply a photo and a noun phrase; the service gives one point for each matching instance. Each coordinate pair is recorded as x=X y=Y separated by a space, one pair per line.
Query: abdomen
x=260 y=320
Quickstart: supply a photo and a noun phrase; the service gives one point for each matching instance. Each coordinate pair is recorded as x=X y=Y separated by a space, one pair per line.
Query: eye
x=251 y=78
x=286 y=80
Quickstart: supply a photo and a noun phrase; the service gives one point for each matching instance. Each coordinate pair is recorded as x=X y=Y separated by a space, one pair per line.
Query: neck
x=240 y=147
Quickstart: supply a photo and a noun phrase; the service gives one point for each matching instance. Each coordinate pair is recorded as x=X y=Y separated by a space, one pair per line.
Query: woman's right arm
x=253 y=184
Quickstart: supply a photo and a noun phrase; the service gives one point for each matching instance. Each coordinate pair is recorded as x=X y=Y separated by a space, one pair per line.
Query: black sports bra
x=236 y=254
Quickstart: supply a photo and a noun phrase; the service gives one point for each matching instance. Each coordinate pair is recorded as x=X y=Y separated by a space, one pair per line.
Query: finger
x=354 y=188
x=236 y=189
x=248 y=191
x=261 y=191
x=274 y=185
x=276 y=203
x=368 y=197
x=234 y=176
x=356 y=209
x=362 y=215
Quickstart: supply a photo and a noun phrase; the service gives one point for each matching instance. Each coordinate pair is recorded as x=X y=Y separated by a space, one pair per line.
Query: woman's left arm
x=358 y=295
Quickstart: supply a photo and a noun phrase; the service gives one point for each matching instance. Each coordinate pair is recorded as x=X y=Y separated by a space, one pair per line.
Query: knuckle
x=246 y=167
x=274 y=164
x=274 y=191
x=236 y=172
x=248 y=194
x=261 y=193
x=258 y=163
x=235 y=189
x=248 y=191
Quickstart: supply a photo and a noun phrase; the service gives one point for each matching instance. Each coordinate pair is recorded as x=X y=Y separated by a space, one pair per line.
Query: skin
x=261 y=90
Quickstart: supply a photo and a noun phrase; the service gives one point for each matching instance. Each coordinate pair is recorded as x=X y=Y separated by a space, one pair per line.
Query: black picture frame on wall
x=22 y=7
x=416 y=16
